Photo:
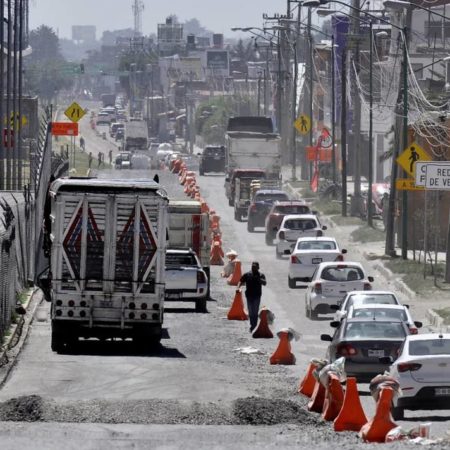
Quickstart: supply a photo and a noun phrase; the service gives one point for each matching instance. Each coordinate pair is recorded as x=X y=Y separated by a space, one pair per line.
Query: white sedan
x=308 y=253
x=330 y=284
x=293 y=227
x=423 y=371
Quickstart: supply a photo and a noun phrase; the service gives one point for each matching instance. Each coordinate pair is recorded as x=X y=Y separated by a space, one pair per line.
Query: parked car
x=376 y=311
x=212 y=159
x=185 y=278
x=278 y=211
x=260 y=206
x=364 y=343
x=308 y=253
x=330 y=284
x=364 y=298
x=294 y=226
x=422 y=369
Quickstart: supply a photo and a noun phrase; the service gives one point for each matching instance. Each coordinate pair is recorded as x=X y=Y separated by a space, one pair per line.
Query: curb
x=388 y=274
x=436 y=320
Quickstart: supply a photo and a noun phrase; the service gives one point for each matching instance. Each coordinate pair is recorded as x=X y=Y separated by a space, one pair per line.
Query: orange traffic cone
x=351 y=417
x=216 y=257
x=204 y=206
x=235 y=277
x=283 y=354
x=263 y=330
x=306 y=386
x=375 y=429
x=236 y=311
x=317 y=398
x=334 y=398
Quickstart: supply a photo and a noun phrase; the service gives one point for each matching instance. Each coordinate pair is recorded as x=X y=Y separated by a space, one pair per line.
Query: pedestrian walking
x=90 y=158
x=82 y=143
x=253 y=280
x=110 y=157
x=99 y=159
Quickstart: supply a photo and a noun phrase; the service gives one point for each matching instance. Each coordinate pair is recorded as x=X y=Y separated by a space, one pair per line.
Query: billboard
x=217 y=59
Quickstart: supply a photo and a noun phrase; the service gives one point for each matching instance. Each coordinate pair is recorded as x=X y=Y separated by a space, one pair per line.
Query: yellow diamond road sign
x=411 y=155
x=74 y=112
x=303 y=124
x=16 y=121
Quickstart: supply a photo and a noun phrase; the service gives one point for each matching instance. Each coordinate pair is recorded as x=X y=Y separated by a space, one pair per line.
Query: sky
x=217 y=15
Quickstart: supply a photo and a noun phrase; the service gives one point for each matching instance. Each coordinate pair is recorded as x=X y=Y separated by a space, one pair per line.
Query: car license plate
x=375 y=353
x=442 y=392
x=316 y=260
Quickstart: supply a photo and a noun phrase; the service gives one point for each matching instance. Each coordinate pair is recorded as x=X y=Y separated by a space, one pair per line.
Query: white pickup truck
x=185 y=278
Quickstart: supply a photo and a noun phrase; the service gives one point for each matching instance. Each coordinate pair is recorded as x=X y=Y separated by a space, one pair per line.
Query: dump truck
x=106 y=241
x=108 y=100
x=136 y=136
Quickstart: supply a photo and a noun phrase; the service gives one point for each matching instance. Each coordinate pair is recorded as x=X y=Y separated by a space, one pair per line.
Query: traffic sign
x=74 y=112
x=434 y=175
x=64 y=129
x=315 y=153
x=16 y=121
x=413 y=153
x=407 y=184
x=303 y=124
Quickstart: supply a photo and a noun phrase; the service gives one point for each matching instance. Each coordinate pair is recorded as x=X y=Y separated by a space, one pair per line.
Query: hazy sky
x=216 y=15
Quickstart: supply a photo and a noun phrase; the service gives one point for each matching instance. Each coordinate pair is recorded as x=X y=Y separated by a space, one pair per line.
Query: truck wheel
x=237 y=215
x=250 y=226
x=291 y=282
x=200 y=305
x=230 y=202
x=57 y=343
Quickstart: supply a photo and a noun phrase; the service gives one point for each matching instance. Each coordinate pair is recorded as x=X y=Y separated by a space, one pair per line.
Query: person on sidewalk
x=110 y=157
x=90 y=159
x=253 y=280
x=229 y=266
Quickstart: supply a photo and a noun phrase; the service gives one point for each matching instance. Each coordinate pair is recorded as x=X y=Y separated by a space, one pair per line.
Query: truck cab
x=231 y=178
x=212 y=159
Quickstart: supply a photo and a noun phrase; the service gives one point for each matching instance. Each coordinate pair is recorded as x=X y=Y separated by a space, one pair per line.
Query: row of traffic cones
x=344 y=409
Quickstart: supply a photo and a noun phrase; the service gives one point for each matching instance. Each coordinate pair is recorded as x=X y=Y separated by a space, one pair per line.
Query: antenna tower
x=137 y=7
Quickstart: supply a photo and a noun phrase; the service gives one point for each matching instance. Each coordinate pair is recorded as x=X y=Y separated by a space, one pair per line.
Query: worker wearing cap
x=229 y=266
x=253 y=280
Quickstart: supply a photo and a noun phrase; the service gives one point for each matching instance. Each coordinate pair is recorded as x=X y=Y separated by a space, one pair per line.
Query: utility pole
x=8 y=101
x=311 y=84
x=294 y=97
x=344 y=131
x=15 y=105
x=333 y=113
x=19 y=132
x=369 y=192
x=2 y=100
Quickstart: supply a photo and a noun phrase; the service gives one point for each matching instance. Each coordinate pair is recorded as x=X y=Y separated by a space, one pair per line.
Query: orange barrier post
x=234 y=279
x=236 y=311
x=306 y=386
x=263 y=330
x=317 y=398
x=204 y=206
x=283 y=354
x=334 y=398
x=351 y=417
x=375 y=429
x=216 y=256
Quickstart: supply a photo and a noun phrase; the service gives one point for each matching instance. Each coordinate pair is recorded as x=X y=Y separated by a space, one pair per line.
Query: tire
x=269 y=239
x=57 y=343
x=250 y=227
x=230 y=202
x=200 y=305
x=237 y=215
x=398 y=413
x=291 y=282
x=307 y=311
x=313 y=315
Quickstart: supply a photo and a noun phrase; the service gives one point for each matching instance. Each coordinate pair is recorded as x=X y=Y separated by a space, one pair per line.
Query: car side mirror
x=335 y=323
x=371 y=279
x=335 y=307
x=324 y=228
x=418 y=324
x=386 y=360
x=344 y=251
x=326 y=337
x=406 y=306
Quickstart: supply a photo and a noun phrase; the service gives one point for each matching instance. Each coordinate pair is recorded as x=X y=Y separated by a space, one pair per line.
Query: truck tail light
x=295 y=260
x=318 y=288
x=282 y=235
x=346 y=350
x=367 y=287
x=201 y=278
x=340 y=258
x=411 y=367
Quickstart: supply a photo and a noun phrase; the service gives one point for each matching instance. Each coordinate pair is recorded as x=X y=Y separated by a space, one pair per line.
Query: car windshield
x=380 y=313
x=292 y=209
x=180 y=260
x=344 y=273
x=300 y=224
x=374 y=330
x=429 y=347
x=316 y=245
x=270 y=197
x=125 y=156
x=368 y=299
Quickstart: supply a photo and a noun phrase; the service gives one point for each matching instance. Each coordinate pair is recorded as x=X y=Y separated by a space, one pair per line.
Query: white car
x=308 y=253
x=365 y=298
x=423 y=371
x=293 y=227
x=380 y=311
x=330 y=284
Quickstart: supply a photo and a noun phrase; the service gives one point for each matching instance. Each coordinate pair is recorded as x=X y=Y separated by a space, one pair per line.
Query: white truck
x=107 y=241
x=251 y=143
x=135 y=136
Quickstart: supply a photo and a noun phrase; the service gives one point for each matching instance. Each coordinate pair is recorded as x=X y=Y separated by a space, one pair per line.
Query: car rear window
x=380 y=313
x=300 y=224
x=316 y=245
x=271 y=197
x=363 y=299
x=175 y=260
x=347 y=273
x=292 y=209
x=213 y=152
x=374 y=330
x=429 y=347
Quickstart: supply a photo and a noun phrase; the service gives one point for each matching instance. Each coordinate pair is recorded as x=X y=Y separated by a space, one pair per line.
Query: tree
x=244 y=50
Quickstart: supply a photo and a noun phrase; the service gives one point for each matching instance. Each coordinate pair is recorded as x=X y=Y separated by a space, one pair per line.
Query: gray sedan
x=363 y=342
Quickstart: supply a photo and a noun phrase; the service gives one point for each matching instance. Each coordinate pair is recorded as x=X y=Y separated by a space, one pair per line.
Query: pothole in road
x=22 y=409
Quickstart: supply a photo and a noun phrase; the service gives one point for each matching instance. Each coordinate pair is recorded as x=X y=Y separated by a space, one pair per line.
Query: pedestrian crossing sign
x=413 y=153
x=74 y=112
x=303 y=124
